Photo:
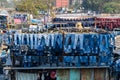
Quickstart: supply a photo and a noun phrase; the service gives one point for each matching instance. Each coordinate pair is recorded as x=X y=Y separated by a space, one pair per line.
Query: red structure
x=62 y=3
x=109 y=23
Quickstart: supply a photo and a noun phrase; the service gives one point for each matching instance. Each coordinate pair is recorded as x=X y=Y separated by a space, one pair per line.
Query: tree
x=112 y=7
x=31 y=6
x=94 y=5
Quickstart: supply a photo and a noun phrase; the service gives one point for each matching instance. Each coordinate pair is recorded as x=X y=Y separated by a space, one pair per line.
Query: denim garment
x=31 y=41
x=68 y=43
x=41 y=43
x=52 y=40
x=103 y=43
x=19 y=39
x=27 y=61
x=118 y=65
x=111 y=40
x=4 y=38
x=36 y=41
x=76 y=42
x=84 y=59
x=81 y=37
x=16 y=39
x=75 y=61
x=103 y=59
x=67 y=60
x=48 y=40
x=39 y=38
x=9 y=39
x=95 y=43
x=92 y=59
x=58 y=41
x=86 y=42
x=28 y=39
x=24 y=39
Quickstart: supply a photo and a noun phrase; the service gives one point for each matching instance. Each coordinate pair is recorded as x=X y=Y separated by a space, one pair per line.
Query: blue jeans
x=103 y=43
x=86 y=42
x=95 y=43
x=41 y=44
x=83 y=60
x=68 y=43
x=31 y=41
x=58 y=42
x=16 y=39
x=27 y=61
x=79 y=44
x=92 y=60
x=36 y=41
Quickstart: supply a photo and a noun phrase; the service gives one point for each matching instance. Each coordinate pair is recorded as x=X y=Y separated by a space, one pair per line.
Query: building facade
x=62 y=3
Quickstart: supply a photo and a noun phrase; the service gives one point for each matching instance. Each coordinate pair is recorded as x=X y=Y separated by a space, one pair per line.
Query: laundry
x=107 y=23
x=84 y=60
x=86 y=43
x=31 y=41
x=92 y=60
x=68 y=44
x=58 y=41
x=35 y=41
x=76 y=49
x=95 y=43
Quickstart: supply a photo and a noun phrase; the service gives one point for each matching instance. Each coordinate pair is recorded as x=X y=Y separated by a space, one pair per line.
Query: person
x=51 y=76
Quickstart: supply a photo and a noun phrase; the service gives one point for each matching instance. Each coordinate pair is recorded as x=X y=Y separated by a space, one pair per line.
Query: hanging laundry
x=36 y=41
x=92 y=60
x=86 y=43
x=68 y=43
x=84 y=60
x=41 y=43
x=95 y=43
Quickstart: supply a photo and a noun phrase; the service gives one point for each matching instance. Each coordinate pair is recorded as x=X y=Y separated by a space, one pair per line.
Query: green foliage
x=31 y=6
x=109 y=6
x=112 y=7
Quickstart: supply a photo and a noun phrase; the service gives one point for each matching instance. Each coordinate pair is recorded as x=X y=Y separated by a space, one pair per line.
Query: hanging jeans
x=67 y=61
x=41 y=44
x=58 y=43
x=111 y=40
x=95 y=44
x=83 y=60
x=9 y=39
x=75 y=37
x=79 y=43
x=28 y=39
x=103 y=60
x=68 y=43
x=35 y=41
x=103 y=43
x=24 y=39
x=86 y=42
x=48 y=40
x=27 y=61
x=19 y=39
x=92 y=60
x=31 y=41
x=16 y=37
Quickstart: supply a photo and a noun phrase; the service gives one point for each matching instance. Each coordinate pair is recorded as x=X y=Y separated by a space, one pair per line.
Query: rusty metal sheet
x=100 y=74
x=63 y=74
x=74 y=74
x=86 y=74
